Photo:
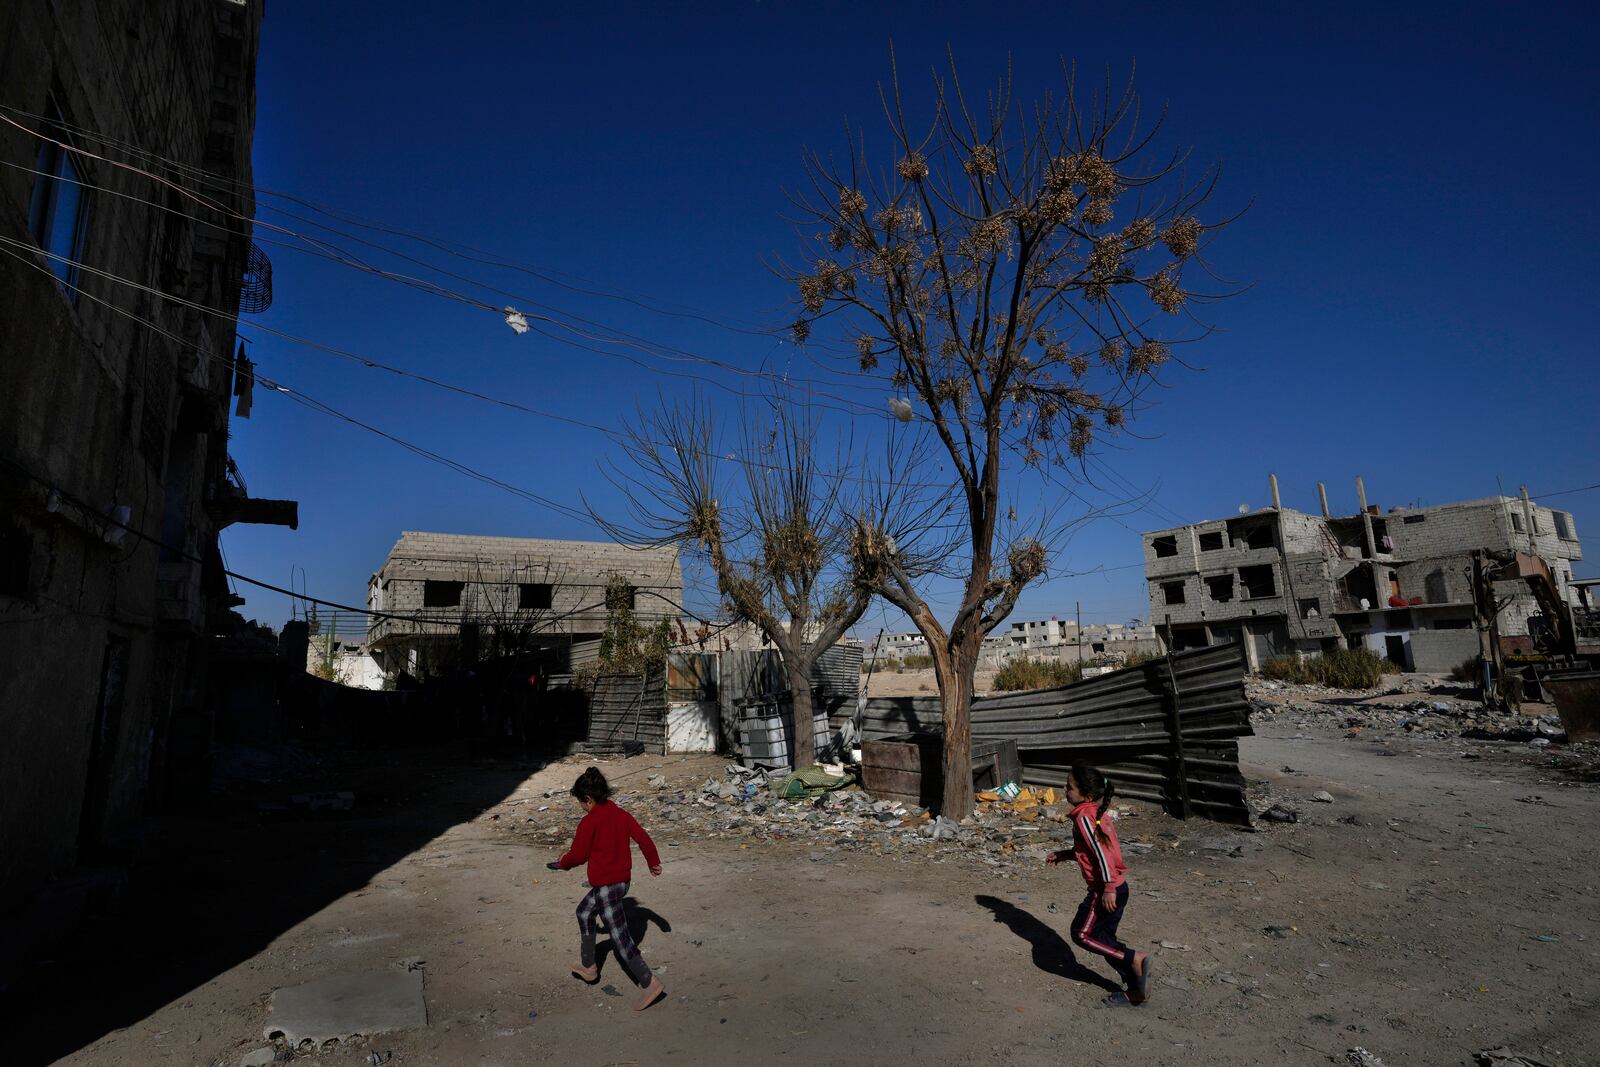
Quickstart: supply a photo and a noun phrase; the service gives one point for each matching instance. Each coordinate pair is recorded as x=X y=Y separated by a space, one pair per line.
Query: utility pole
x=1078 y=606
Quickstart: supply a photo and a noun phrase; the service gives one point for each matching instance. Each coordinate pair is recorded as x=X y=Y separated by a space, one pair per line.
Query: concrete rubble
x=741 y=804
x=347 y=1006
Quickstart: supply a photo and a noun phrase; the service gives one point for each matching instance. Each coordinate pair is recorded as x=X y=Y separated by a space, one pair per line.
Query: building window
x=1310 y=608
x=1258 y=582
x=1173 y=592
x=533 y=596
x=1211 y=542
x=441 y=594
x=1516 y=522
x=1165 y=546
x=1220 y=588
x=1564 y=525
x=58 y=214
x=1412 y=520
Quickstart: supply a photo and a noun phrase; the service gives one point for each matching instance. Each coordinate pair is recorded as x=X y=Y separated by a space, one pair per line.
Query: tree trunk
x=955 y=673
x=805 y=740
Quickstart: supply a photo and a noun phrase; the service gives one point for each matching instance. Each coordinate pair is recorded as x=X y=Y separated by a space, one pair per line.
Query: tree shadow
x=639 y=920
x=1051 y=953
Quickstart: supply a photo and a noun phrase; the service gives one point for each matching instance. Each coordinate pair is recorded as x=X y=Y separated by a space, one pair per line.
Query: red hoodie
x=1100 y=858
x=602 y=840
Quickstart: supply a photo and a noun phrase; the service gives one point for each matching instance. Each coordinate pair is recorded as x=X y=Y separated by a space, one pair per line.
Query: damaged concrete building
x=115 y=478
x=465 y=596
x=1399 y=582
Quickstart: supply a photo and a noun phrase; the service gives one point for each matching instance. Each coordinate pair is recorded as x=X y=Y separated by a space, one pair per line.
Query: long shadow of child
x=639 y=920
x=1051 y=953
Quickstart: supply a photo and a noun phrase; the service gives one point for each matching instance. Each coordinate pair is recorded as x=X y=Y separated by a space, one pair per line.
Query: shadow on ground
x=209 y=891
x=1051 y=953
x=639 y=920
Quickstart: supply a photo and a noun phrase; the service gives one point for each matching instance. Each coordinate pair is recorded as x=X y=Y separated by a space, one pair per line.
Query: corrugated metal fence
x=1122 y=723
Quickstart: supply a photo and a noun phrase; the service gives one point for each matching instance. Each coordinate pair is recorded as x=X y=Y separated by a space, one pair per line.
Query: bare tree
x=1012 y=269
x=775 y=540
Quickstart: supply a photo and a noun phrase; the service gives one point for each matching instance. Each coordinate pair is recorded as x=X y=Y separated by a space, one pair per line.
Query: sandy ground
x=1442 y=904
x=919 y=683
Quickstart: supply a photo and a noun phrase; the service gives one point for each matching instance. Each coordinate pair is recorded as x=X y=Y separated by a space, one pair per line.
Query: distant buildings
x=1038 y=638
x=1398 y=583
x=440 y=600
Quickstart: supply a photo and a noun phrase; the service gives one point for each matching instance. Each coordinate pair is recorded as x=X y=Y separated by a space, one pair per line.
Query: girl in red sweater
x=1099 y=856
x=602 y=841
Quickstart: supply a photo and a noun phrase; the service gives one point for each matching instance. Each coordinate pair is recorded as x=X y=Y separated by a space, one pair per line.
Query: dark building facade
x=125 y=207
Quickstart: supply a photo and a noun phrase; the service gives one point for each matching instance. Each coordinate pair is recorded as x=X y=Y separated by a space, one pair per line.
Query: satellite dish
x=1244 y=509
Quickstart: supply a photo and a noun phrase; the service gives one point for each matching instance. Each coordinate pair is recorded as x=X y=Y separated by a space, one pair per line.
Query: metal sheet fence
x=629 y=707
x=1122 y=723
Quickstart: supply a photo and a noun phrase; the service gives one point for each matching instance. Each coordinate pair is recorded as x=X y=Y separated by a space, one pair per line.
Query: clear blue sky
x=1422 y=241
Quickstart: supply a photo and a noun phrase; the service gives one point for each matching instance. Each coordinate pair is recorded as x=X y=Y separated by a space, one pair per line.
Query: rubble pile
x=1443 y=717
x=744 y=803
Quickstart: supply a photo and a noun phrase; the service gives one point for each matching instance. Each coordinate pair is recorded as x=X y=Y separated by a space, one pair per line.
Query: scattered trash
x=1280 y=932
x=902 y=408
x=533 y=1015
x=1504 y=1057
x=1009 y=791
x=1322 y=796
x=1280 y=813
x=375 y=1058
x=412 y=963
x=610 y=990
x=516 y=320
x=1172 y=946
x=1362 y=1058
x=1546 y=937
x=657 y=781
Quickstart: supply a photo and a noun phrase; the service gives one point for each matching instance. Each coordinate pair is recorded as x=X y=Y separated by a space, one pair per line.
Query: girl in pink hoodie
x=1099 y=856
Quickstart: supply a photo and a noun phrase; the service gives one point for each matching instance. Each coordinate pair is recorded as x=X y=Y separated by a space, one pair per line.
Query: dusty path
x=1413 y=933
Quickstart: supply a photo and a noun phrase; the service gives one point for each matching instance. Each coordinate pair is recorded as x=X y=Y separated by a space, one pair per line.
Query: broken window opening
x=1258 y=582
x=1173 y=592
x=1165 y=546
x=1516 y=522
x=1220 y=588
x=1564 y=525
x=1311 y=608
x=1412 y=520
x=1252 y=533
x=533 y=596
x=1211 y=542
x=437 y=594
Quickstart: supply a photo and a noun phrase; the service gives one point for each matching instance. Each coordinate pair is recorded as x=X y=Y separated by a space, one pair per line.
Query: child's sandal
x=586 y=975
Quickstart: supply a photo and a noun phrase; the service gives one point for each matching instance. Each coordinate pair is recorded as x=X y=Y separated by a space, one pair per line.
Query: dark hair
x=1092 y=783
x=592 y=785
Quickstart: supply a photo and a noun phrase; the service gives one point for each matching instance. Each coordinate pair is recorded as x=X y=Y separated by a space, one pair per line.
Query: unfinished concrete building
x=1399 y=583
x=114 y=415
x=460 y=597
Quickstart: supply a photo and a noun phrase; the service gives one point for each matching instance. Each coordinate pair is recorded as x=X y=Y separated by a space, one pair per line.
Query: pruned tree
x=1012 y=272
x=771 y=526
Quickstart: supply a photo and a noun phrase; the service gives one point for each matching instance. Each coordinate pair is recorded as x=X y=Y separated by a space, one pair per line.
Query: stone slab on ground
x=347 y=1006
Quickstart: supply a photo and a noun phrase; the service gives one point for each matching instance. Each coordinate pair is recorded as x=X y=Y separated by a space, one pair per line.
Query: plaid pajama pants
x=604 y=902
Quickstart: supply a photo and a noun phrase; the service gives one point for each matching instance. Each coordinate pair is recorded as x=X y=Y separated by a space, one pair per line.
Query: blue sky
x=1421 y=242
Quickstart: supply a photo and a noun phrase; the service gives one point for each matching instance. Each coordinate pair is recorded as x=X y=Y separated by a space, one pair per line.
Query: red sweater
x=1100 y=860
x=602 y=841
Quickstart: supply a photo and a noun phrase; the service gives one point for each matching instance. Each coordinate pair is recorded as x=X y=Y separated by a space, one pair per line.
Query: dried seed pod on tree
x=1023 y=271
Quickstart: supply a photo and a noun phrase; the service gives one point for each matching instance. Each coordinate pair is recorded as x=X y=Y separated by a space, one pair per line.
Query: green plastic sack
x=808 y=781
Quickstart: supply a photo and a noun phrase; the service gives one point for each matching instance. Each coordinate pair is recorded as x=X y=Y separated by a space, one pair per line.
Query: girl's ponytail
x=1106 y=792
x=1091 y=783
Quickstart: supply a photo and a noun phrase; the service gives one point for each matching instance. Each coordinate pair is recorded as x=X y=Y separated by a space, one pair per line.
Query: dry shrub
x=1344 y=668
x=1023 y=673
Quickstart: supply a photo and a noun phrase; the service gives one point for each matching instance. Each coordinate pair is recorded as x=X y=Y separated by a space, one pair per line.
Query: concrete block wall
x=492 y=568
x=1441 y=651
x=89 y=403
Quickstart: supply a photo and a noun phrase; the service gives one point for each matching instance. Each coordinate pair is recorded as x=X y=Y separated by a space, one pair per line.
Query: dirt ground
x=918 y=683
x=1441 y=904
